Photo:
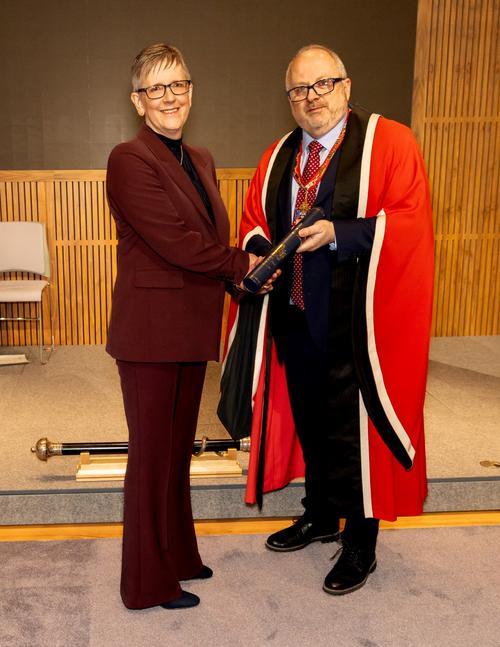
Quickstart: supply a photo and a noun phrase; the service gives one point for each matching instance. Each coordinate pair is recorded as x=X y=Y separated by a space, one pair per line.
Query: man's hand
x=317 y=235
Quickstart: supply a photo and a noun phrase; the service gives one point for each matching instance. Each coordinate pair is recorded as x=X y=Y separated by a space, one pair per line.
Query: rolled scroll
x=278 y=254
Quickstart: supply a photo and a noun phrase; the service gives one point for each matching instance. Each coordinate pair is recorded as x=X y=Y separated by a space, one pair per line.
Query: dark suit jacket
x=172 y=259
x=323 y=268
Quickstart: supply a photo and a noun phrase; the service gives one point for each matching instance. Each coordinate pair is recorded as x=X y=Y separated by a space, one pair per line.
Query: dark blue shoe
x=186 y=601
x=204 y=574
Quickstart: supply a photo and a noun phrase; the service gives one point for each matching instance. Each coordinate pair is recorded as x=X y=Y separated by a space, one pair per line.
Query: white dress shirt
x=327 y=141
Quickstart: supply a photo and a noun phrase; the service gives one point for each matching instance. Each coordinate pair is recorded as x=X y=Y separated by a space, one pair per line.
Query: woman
x=173 y=262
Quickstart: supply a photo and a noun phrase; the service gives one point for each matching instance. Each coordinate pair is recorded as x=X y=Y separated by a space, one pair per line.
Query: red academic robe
x=396 y=316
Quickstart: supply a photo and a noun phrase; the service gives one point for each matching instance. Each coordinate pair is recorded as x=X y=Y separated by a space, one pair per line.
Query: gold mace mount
x=245 y=444
x=44 y=449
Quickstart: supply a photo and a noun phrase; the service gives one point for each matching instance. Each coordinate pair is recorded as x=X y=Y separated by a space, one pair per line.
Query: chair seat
x=19 y=290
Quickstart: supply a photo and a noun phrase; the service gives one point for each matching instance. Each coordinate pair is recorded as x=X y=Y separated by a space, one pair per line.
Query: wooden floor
x=242 y=526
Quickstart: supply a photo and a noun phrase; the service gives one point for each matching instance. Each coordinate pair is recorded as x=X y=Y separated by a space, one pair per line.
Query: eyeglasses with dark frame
x=323 y=86
x=157 y=91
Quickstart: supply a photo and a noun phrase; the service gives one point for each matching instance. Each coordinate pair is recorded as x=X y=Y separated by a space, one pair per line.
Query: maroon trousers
x=161 y=403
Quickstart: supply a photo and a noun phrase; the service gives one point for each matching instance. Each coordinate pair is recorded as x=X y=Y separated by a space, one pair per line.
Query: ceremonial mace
x=213 y=457
x=44 y=448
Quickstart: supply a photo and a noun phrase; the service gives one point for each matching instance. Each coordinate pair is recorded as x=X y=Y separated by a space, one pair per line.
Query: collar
x=173 y=144
x=328 y=140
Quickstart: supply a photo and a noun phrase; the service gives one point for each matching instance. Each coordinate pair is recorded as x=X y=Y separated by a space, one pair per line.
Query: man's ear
x=347 y=88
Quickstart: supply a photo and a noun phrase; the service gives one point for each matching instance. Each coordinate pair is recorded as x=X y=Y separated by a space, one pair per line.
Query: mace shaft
x=45 y=448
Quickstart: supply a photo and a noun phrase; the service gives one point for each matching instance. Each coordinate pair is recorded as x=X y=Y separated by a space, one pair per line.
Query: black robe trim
x=281 y=174
x=235 y=404
x=346 y=196
x=346 y=187
x=364 y=370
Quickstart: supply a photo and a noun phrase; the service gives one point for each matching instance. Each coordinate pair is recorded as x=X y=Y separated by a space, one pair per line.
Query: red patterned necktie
x=304 y=199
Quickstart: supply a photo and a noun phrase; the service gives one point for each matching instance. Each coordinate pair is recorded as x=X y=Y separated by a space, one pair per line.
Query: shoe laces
x=351 y=555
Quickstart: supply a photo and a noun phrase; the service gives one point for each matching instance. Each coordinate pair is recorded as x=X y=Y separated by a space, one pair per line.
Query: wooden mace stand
x=111 y=467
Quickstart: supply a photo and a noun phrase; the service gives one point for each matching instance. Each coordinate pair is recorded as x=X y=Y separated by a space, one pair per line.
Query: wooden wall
x=456 y=119
x=82 y=246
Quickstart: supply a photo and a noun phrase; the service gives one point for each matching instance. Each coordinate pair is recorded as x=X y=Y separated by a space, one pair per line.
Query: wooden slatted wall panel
x=456 y=118
x=233 y=185
x=84 y=252
x=82 y=245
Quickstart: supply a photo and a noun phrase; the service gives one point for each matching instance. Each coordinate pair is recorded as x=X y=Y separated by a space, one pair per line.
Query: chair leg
x=51 y=347
x=40 y=330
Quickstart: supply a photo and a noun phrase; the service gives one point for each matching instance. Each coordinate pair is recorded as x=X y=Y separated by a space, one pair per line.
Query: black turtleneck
x=175 y=147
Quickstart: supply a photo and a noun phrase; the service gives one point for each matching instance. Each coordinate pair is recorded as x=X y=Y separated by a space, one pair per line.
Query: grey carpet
x=432 y=588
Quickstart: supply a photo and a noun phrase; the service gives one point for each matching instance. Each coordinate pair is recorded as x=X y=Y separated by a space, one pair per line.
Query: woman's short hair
x=158 y=55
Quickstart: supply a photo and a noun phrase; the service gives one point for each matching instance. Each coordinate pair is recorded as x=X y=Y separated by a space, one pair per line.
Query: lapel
x=324 y=197
x=176 y=172
x=205 y=173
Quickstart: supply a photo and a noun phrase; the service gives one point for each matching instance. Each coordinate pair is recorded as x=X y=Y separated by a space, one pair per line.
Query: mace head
x=44 y=449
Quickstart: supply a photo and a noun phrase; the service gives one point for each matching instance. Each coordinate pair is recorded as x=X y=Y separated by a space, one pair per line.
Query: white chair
x=23 y=248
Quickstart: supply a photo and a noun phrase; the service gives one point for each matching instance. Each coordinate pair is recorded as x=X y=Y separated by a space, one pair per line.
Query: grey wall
x=65 y=70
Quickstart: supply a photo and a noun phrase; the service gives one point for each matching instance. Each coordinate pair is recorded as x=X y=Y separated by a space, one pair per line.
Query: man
x=340 y=346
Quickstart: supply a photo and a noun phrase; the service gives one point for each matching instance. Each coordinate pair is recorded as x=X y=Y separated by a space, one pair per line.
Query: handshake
x=263 y=272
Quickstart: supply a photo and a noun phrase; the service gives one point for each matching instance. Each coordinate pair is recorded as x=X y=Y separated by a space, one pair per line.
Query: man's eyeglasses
x=323 y=86
x=158 y=90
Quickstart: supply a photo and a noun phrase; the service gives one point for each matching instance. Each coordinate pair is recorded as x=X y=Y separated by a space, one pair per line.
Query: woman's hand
x=253 y=261
x=268 y=285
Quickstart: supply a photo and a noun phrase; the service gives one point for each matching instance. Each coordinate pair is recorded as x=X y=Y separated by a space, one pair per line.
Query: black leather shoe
x=301 y=534
x=184 y=602
x=204 y=574
x=351 y=570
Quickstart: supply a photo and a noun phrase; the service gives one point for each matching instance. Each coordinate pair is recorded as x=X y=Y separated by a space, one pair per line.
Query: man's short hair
x=158 y=55
x=330 y=52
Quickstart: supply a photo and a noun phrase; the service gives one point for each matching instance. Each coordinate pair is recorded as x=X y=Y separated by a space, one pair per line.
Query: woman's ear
x=136 y=99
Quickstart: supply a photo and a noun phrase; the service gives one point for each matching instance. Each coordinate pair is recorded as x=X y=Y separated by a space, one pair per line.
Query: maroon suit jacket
x=172 y=259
